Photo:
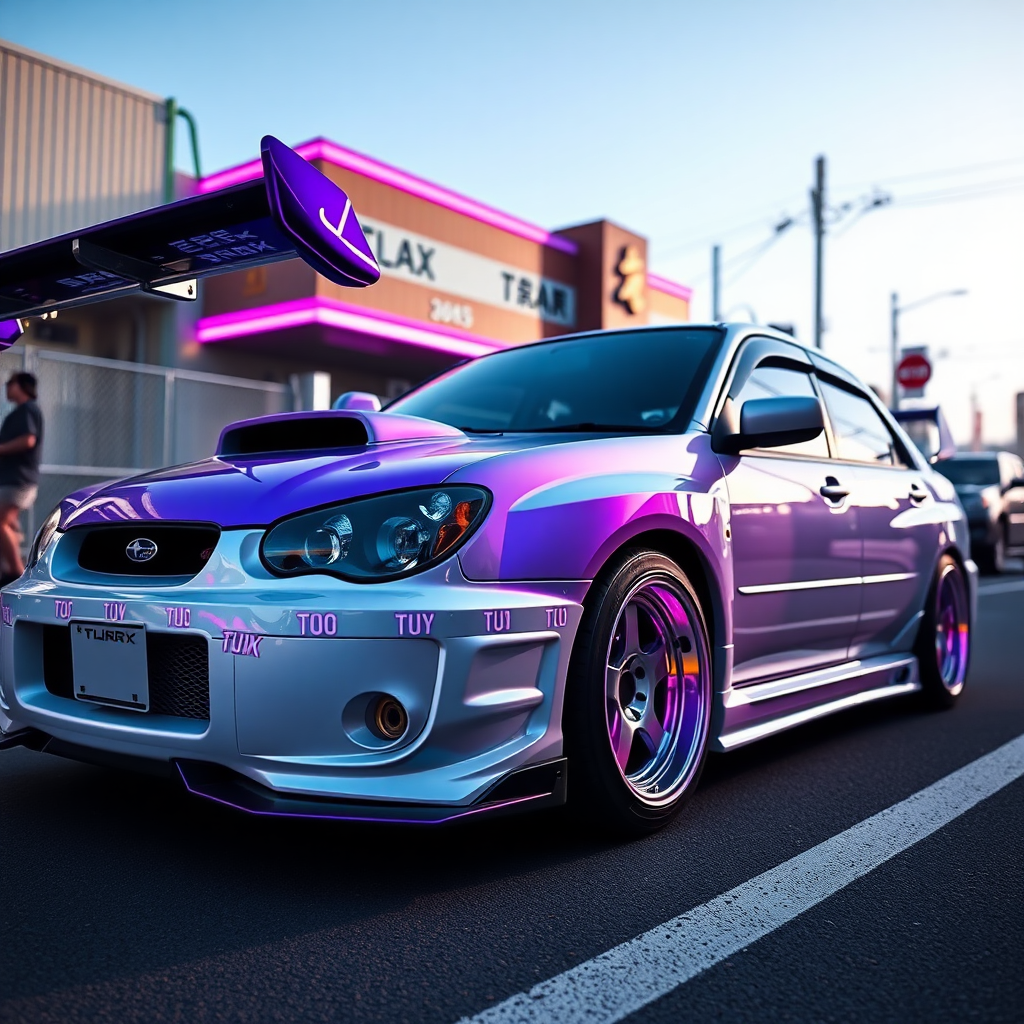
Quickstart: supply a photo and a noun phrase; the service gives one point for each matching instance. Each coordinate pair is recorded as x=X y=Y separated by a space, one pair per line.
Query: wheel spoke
x=657 y=664
x=652 y=730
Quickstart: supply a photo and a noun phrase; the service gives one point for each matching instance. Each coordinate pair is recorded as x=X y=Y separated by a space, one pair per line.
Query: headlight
x=377 y=538
x=44 y=537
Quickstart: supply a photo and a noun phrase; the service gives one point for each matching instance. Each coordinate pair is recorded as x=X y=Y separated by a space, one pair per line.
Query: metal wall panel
x=75 y=148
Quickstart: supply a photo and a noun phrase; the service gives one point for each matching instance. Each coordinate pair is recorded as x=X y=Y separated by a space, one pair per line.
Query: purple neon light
x=332 y=313
x=663 y=284
x=323 y=149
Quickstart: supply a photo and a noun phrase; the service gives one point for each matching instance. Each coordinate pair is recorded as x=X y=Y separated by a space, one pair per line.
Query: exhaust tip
x=389 y=718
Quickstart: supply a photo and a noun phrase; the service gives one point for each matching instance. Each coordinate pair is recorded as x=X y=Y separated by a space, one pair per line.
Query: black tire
x=622 y=690
x=943 y=645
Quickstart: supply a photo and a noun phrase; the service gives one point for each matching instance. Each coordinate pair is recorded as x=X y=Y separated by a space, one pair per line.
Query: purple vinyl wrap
x=561 y=507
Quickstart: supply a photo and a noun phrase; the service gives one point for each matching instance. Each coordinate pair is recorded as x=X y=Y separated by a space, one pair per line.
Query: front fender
x=559 y=512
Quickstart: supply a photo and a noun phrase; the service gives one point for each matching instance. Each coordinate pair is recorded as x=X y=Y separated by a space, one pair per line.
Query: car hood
x=236 y=492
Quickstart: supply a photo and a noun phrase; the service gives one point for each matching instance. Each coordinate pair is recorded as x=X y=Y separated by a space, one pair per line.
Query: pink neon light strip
x=664 y=285
x=323 y=149
x=343 y=315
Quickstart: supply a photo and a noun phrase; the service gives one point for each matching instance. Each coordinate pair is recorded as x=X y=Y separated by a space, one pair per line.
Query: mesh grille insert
x=179 y=675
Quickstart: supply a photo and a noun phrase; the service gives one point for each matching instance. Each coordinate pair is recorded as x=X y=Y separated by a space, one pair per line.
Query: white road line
x=628 y=977
x=1001 y=588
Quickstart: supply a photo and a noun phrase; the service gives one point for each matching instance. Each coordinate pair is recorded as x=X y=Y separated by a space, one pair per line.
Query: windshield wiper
x=477 y=430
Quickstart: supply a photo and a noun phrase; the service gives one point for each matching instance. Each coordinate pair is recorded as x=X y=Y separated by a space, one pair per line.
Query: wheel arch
x=687 y=554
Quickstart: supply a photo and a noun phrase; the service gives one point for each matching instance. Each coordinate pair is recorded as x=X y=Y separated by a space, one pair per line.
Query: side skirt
x=763 y=709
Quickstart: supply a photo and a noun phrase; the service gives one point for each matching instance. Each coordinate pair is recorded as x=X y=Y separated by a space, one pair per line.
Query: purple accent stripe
x=667 y=287
x=331 y=152
x=333 y=313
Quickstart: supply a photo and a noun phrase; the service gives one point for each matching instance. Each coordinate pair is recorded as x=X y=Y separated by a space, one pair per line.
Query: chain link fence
x=104 y=419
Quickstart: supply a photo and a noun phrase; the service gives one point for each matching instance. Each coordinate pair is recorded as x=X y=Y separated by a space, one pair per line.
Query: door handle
x=917 y=493
x=833 y=490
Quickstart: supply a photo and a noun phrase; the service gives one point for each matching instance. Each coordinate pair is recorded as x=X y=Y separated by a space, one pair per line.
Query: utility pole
x=894 y=402
x=818 y=211
x=716 y=283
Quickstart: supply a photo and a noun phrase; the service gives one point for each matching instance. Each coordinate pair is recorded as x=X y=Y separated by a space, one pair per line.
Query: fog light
x=389 y=718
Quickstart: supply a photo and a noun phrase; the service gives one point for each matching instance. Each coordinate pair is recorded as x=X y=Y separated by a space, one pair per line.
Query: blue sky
x=689 y=123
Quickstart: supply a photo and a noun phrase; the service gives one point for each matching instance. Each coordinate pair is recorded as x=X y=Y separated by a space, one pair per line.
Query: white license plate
x=109 y=664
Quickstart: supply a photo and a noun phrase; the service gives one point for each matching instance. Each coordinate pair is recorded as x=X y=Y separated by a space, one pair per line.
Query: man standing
x=21 y=441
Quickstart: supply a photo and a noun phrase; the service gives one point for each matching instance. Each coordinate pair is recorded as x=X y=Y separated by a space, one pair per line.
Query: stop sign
x=914 y=371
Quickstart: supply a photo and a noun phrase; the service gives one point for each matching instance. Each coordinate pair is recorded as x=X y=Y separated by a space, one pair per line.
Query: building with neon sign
x=460 y=278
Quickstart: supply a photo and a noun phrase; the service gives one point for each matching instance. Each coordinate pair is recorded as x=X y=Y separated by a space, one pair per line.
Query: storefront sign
x=445 y=268
x=633 y=272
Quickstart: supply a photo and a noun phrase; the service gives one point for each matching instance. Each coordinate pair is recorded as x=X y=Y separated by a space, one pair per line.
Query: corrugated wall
x=75 y=148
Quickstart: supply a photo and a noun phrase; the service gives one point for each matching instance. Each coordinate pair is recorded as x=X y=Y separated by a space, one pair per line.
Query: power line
x=718 y=236
x=949 y=172
x=753 y=255
x=763 y=220
x=955 y=193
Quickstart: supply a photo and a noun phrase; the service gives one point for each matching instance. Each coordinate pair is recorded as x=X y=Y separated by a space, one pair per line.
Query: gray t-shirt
x=21 y=468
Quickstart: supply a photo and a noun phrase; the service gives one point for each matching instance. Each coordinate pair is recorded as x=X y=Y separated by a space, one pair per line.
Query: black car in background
x=990 y=486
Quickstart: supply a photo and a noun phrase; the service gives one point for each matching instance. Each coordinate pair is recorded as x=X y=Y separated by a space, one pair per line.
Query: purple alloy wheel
x=658 y=690
x=952 y=629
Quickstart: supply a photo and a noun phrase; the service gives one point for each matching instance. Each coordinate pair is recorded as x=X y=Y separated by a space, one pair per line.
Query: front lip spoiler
x=525 y=789
x=27 y=737
x=530 y=788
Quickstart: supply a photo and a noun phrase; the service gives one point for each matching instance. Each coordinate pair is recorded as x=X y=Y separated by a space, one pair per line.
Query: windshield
x=972 y=472
x=633 y=381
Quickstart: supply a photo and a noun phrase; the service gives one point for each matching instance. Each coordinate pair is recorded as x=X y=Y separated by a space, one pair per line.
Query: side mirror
x=771 y=422
x=362 y=400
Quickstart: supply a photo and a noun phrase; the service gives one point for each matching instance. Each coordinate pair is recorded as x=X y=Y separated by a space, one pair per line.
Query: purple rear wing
x=293 y=210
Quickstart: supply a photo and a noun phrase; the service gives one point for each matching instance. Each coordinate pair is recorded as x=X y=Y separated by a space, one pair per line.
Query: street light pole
x=894 y=404
x=894 y=344
x=818 y=211
x=716 y=283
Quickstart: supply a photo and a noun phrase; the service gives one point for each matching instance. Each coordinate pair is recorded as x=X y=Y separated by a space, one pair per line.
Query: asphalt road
x=125 y=900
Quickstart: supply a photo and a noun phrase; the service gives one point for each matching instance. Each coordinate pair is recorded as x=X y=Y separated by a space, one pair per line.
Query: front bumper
x=293 y=664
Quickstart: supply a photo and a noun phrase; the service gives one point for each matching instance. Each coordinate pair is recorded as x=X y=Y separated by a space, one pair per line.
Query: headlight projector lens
x=400 y=542
x=328 y=544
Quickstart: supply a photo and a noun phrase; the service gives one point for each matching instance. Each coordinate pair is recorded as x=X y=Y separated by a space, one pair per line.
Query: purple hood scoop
x=309 y=433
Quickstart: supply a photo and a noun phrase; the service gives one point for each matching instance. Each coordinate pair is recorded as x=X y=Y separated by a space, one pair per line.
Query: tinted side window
x=770 y=381
x=860 y=433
